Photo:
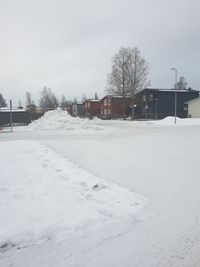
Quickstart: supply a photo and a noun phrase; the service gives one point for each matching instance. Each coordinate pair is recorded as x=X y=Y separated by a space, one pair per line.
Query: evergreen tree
x=2 y=101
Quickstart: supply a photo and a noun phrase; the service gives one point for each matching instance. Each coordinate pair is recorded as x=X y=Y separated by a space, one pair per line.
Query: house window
x=88 y=104
x=109 y=102
x=102 y=112
x=144 y=98
x=105 y=102
x=109 y=111
x=105 y=112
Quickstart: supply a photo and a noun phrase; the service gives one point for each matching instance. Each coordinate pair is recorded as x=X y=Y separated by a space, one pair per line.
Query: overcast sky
x=67 y=45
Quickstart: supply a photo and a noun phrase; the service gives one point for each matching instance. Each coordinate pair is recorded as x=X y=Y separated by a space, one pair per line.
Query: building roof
x=91 y=100
x=193 y=100
x=94 y=100
x=76 y=103
x=116 y=96
x=13 y=110
x=169 y=90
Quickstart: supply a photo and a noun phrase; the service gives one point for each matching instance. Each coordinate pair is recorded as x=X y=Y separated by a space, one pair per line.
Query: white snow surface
x=179 y=121
x=61 y=120
x=157 y=159
x=170 y=120
x=44 y=196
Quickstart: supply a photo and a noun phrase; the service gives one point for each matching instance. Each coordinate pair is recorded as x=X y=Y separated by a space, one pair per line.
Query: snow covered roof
x=76 y=103
x=115 y=96
x=170 y=90
x=94 y=100
x=91 y=100
x=13 y=110
x=119 y=96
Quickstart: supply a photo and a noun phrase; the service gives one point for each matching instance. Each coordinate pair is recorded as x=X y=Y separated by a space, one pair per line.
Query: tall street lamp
x=11 y=119
x=175 y=93
x=156 y=100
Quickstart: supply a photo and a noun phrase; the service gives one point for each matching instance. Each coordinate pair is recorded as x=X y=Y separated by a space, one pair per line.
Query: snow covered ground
x=45 y=197
x=159 y=161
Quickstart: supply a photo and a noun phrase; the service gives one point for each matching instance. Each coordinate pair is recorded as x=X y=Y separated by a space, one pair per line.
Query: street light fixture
x=175 y=93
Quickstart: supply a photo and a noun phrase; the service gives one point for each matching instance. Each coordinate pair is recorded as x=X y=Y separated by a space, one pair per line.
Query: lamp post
x=156 y=99
x=175 y=94
x=11 y=119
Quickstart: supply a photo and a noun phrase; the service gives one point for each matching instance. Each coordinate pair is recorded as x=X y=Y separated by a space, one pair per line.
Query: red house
x=112 y=106
x=91 y=108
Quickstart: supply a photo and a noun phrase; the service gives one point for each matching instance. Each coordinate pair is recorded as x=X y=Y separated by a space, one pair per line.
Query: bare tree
x=84 y=98
x=75 y=100
x=138 y=70
x=30 y=106
x=20 y=104
x=181 y=84
x=48 y=100
x=118 y=79
x=129 y=74
x=2 y=101
x=29 y=99
x=96 y=96
x=63 y=101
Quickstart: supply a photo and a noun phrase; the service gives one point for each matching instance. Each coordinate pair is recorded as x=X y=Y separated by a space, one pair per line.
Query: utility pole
x=175 y=94
x=11 y=120
x=156 y=100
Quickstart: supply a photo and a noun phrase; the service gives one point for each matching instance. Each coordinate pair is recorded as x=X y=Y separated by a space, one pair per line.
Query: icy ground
x=45 y=197
x=160 y=161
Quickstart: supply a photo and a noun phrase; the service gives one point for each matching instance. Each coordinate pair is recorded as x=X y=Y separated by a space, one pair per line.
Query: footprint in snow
x=98 y=187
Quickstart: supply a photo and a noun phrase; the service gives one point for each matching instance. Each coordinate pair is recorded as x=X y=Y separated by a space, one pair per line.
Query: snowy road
x=159 y=162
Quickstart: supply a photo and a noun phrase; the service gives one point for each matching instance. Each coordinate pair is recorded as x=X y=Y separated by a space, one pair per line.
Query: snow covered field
x=131 y=195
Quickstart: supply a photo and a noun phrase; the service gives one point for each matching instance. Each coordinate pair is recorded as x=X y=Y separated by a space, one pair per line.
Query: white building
x=194 y=108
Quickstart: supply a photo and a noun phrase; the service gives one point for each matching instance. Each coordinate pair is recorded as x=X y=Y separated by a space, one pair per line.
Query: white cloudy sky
x=68 y=44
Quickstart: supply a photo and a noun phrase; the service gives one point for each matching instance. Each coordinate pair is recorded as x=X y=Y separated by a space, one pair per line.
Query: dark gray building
x=152 y=103
x=77 y=110
x=19 y=117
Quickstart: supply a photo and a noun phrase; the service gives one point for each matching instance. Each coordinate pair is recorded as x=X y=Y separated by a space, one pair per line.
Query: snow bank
x=44 y=195
x=171 y=120
x=61 y=120
x=168 y=121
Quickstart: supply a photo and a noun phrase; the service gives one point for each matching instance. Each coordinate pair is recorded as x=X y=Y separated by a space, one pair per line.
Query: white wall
x=194 y=108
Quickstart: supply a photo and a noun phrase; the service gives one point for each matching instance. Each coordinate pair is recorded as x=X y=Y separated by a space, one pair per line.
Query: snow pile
x=61 y=120
x=171 y=120
x=42 y=195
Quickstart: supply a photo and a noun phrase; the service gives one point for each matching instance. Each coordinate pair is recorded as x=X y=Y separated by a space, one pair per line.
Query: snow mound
x=44 y=195
x=61 y=120
x=171 y=121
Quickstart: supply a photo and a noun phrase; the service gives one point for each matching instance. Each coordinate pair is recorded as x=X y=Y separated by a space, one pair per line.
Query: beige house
x=194 y=108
